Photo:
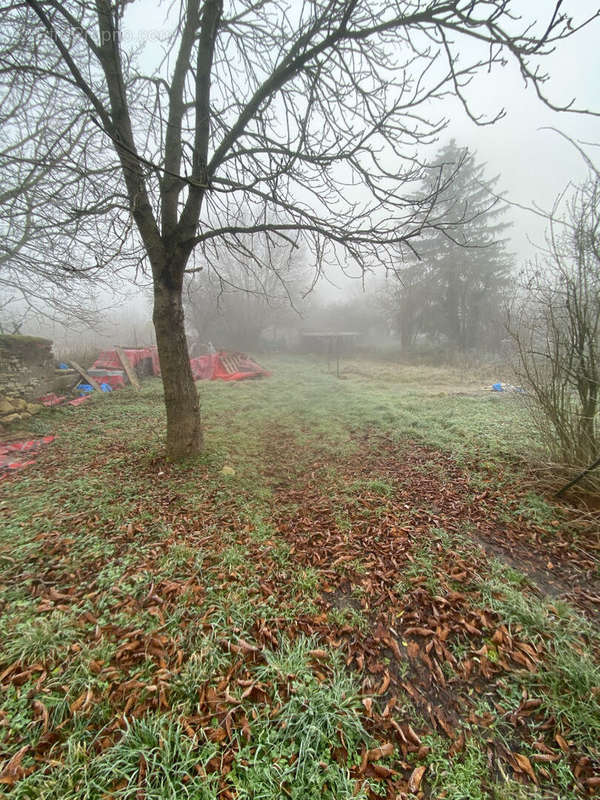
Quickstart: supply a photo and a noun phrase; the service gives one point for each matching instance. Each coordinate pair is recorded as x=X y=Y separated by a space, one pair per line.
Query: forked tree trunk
x=184 y=432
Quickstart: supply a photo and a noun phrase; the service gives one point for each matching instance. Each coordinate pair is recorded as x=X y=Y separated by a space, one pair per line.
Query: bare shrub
x=555 y=325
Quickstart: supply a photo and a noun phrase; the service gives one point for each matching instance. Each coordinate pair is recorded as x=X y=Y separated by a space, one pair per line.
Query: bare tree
x=264 y=111
x=556 y=329
x=55 y=239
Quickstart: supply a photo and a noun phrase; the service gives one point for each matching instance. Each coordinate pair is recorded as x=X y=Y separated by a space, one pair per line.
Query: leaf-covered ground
x=374 y=604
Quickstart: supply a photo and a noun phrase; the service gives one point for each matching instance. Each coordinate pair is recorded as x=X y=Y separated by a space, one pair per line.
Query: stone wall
x=15 y=409
x=26 y=366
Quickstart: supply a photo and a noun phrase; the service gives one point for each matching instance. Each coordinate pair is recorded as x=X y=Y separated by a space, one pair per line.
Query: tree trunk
x=454 y=322
x=406 y=333
x=184 y=431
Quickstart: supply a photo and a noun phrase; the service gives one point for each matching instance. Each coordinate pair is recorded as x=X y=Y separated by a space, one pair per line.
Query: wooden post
x=87 y=378
x=129 y=370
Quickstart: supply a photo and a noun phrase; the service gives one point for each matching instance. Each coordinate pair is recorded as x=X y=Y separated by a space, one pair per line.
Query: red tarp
x=51 y=400
x=16 y=455
x=204 y=368
x=114 y=381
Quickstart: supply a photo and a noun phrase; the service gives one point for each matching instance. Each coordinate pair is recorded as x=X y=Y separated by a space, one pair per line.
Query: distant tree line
x=450 y=293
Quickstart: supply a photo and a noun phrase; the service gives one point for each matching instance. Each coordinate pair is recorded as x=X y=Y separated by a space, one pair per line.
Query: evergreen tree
x=454 y=291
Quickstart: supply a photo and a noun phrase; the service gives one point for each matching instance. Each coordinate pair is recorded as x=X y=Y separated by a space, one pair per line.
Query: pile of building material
x=127 y=365
x=224 y=366
x=124 y=365
x=71 y=384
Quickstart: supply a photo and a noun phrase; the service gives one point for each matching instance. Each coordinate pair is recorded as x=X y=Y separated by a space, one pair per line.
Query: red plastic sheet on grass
x=50 y=400
x=16 y=455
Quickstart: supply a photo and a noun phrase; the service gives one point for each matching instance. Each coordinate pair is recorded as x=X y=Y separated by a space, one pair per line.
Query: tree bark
x=184 y=431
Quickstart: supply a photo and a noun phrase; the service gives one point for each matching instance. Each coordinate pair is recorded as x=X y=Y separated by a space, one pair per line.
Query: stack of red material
x=203 y=367
x=225 y=366
x=108 y=359
x=221 y=366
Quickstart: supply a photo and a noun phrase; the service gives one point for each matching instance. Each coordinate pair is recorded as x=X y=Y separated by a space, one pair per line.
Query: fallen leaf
x=382 y=772
x=414 y=782
x=525 y=765
x=13 y=770
x=384 y=684
x=77 y=704
x=41 y=709
x=380 y=752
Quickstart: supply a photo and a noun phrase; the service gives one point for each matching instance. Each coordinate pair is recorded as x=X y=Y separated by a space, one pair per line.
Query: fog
x=533 y=162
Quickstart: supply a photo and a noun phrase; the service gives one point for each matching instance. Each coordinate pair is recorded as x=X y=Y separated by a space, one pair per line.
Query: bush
x=556 y=329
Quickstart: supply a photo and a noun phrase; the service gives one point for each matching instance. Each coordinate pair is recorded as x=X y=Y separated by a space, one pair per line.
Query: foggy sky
x=534 y=165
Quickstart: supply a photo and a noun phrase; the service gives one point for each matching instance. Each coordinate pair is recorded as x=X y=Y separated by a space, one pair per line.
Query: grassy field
x=354 y=592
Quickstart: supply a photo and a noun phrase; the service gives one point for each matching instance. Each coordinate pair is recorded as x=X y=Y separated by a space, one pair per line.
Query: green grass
x=154 y=758
x=186 y=591
x=39 y=638
x=313 y=719
x=460 y=777
x=570 y=688
x=421 y=567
